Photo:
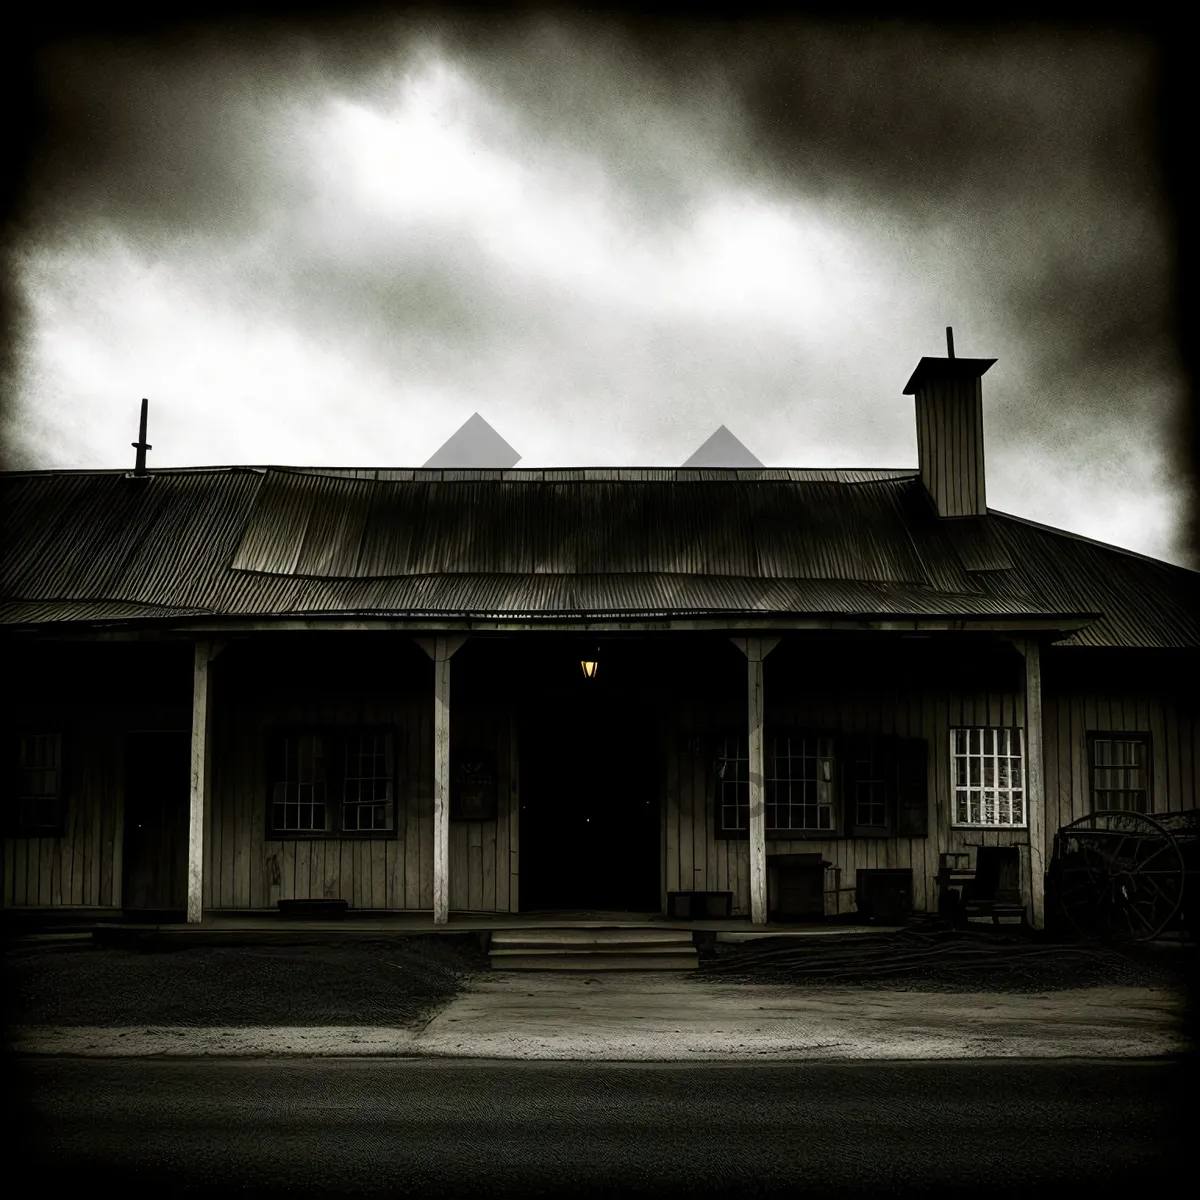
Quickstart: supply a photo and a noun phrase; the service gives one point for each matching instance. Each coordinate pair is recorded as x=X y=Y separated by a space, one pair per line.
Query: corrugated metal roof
x=102 y=547
x=339 y=528
x=1145 y=602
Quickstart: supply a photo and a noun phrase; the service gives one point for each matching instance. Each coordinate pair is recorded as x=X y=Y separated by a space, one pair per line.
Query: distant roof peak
x=722 y=449
x=474 y=444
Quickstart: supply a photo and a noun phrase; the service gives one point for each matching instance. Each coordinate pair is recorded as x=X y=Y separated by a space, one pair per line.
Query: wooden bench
x=699 y=906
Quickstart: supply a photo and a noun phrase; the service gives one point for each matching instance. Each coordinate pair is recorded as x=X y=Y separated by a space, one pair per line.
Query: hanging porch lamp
x=591 y=665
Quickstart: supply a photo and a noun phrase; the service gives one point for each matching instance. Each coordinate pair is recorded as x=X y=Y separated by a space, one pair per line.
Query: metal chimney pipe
x=141 y=445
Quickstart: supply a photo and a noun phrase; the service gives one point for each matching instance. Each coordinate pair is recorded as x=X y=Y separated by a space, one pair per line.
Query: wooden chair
x=992 y=889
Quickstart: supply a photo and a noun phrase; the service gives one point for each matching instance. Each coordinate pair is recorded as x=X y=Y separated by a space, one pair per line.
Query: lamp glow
x=590 y=666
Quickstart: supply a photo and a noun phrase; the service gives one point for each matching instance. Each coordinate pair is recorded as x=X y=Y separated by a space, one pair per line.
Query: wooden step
x=565 y=960
x=588 y=939
x=593 y=949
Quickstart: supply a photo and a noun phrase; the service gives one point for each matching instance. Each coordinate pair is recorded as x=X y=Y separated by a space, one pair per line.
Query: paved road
x=433 y=1128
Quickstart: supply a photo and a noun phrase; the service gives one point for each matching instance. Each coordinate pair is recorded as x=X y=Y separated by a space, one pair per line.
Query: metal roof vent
x=474 y=444
x=722 y=449
x=141 y=446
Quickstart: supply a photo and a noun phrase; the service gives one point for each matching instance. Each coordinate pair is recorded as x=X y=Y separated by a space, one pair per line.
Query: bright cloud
x=604 y=264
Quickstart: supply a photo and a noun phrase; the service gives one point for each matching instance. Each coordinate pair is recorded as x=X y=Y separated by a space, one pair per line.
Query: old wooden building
x=558 y=690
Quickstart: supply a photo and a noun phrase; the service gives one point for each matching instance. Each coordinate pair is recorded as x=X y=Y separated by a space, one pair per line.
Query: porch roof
x=599 y=544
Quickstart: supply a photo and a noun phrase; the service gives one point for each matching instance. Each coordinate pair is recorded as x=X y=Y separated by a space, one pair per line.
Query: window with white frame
x=988 y=770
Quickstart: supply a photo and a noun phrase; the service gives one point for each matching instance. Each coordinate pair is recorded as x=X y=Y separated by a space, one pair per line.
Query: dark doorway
x=589 y=829
x=157 y=793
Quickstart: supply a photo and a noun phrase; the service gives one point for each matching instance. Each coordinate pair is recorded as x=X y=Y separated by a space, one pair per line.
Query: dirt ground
x=392 y=981
x=401 y=982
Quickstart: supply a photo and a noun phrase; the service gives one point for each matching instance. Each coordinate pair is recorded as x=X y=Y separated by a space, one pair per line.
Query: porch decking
x=233 y=924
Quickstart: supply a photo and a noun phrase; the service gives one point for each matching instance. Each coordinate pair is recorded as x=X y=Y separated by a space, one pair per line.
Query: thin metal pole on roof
x=141 y=445
x=949 y=346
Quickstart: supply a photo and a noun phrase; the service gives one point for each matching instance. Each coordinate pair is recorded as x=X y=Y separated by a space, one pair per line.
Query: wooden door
x=589 y=820
x=157 y=793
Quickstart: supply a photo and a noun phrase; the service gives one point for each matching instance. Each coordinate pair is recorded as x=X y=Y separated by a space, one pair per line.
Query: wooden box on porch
x=699 y=906
x=796 y=887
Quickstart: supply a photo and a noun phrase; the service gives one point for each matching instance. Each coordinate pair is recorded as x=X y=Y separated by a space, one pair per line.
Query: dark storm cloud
x=1016 y=171
x=1037 y=148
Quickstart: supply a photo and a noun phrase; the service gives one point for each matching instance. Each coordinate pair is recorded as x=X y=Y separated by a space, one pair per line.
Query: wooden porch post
x=756 y=649
x=200 y=779
x=1035 y=796
x=440 y=649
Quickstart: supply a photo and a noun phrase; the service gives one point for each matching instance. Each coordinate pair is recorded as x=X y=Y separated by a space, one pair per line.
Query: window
x=733 y=787
x=332 y=782
x=366 y=781
x=37 y=785
x=869 y=799
x=885 y=785
x=799 y=784
x=798 y=791
x=989 y=777
x=1119 y=767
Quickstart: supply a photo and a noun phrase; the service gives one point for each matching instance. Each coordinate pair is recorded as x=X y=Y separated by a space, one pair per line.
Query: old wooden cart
x=1126 y=876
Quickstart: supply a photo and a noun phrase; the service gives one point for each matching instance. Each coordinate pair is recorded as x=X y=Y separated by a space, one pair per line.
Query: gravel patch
x=359 y=981
x=947 y=959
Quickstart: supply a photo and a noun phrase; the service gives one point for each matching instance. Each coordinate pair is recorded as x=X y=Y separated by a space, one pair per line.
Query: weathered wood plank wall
x=246 y=868
x=694 y=857
x=81 y=869
x=1174 y=730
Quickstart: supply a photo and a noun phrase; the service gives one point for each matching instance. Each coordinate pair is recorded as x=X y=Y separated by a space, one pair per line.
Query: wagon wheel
x=1121 y=875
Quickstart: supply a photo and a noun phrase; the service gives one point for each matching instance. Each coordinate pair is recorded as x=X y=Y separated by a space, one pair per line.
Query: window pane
x=1120 y=772
x=987 y=777
x=366 y=781
x=298 y=799
x=799 y=783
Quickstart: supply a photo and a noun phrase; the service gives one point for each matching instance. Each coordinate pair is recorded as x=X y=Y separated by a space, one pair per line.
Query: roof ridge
x=309 y=470
x=150 y=472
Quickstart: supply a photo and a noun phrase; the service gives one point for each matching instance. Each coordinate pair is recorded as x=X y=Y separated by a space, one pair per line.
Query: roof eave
x=520 y=622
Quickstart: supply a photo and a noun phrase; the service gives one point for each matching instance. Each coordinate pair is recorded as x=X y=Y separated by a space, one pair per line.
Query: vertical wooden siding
x=77 y=869
x=950 y=444
x=695 y=858
x=247 y=869
x=244 y=869
x=82 y=868
x=1174 y=731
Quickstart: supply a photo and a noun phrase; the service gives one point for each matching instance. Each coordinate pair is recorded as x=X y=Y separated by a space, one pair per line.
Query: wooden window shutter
x=849 y=751
x=912 y=787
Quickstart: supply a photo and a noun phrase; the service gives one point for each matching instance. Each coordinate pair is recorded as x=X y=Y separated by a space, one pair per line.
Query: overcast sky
x=332 y=248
